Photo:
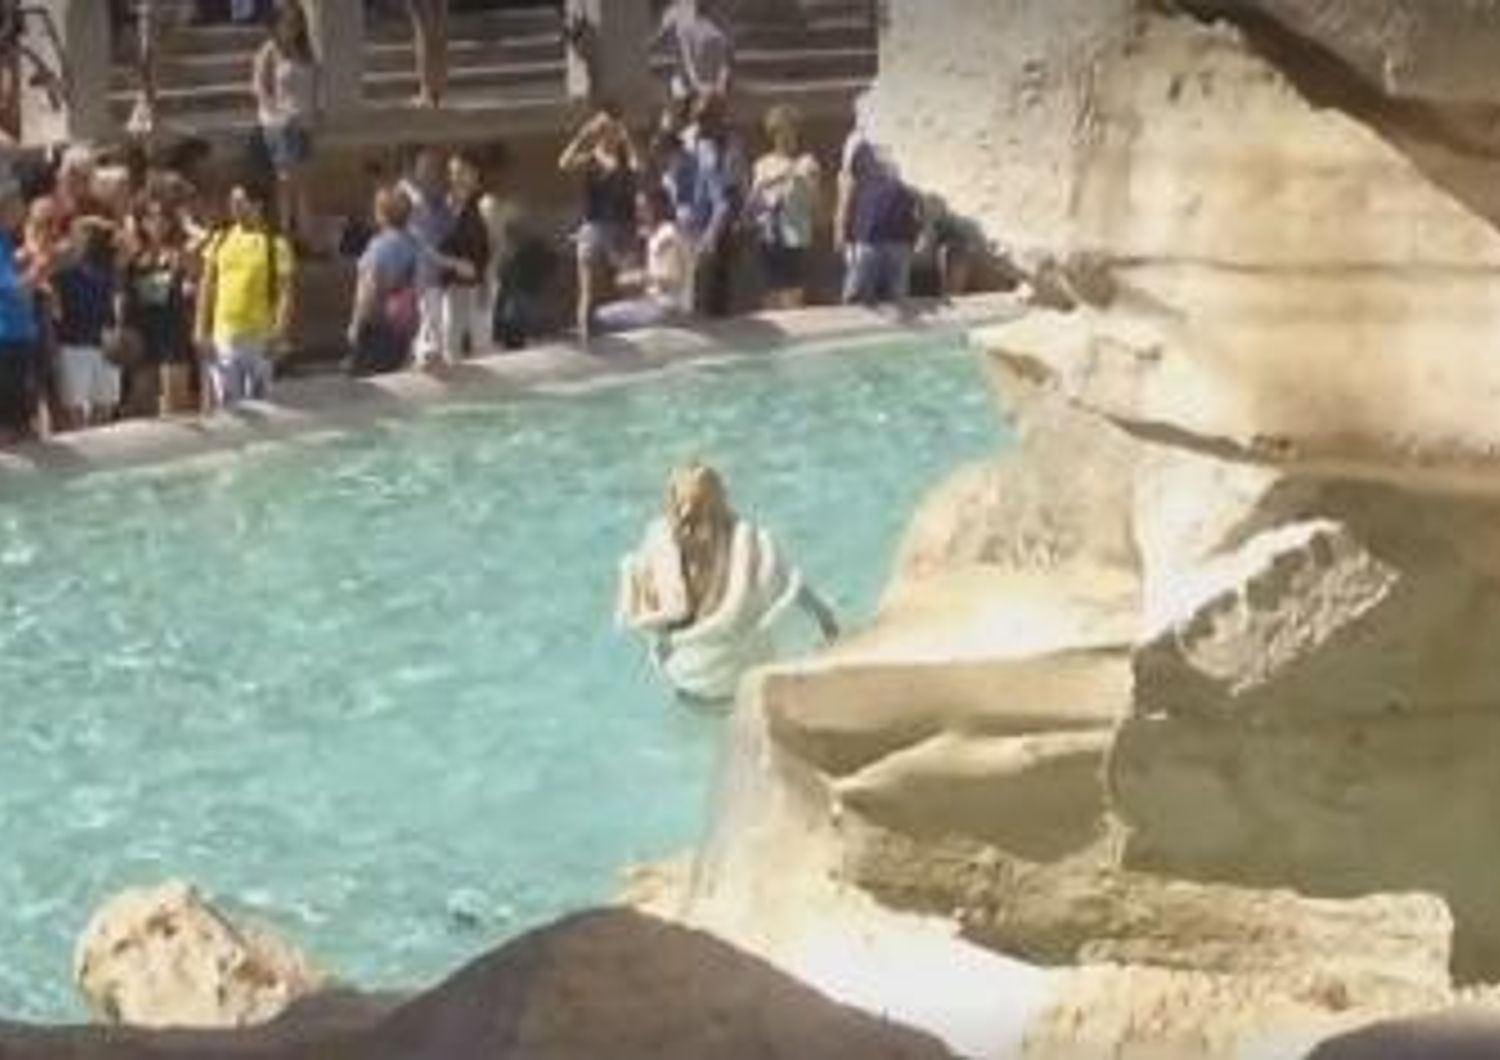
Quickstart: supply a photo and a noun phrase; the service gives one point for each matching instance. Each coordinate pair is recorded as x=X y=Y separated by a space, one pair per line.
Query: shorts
x=86 y=380
x=288 y=146
x=605 y=242
x=785 y=267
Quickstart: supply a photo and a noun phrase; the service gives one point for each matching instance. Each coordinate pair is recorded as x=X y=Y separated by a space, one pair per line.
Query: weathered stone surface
x=1041 y=796
x=1189 y=511
x=1084 y=910
x=973 y=653
x=1009 y=514
x=166 y=957
x=1105 y=1012
x=1335 y=808
x=1306 y=623
x=984 y=101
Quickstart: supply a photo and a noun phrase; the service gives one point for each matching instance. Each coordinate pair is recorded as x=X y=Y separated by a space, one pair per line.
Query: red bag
x=402 y=310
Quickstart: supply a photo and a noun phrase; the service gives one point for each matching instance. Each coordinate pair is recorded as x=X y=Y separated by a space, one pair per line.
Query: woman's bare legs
x=586 y=295
x=429 y=23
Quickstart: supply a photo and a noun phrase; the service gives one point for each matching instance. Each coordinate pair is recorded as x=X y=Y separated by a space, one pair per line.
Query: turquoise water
x=368 y=688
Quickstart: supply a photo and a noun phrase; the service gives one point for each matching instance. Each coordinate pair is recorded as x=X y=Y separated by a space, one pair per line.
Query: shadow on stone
x=612 y=984
x=1449 y=1036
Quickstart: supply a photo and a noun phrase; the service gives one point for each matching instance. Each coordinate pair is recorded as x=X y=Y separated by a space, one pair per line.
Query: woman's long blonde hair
x=702 y=525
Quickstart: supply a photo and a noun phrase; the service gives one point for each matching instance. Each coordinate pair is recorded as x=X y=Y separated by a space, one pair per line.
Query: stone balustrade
x=618 y=69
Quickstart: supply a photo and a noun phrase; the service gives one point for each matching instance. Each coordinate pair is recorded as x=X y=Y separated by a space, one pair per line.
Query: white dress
x=707 y=659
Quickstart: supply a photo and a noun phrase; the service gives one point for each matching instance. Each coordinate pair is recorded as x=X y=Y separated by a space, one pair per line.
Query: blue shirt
x=718 y=189
x=431 y=223
x=18 y=324
x=679 y=178
x=882 y=209
x=393 y=259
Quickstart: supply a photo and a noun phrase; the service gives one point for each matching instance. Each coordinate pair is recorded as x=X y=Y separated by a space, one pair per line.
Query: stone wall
x=988 y=103
x=1001 y=107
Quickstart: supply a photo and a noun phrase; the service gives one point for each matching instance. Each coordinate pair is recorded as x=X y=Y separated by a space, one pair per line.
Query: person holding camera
x=604 y=155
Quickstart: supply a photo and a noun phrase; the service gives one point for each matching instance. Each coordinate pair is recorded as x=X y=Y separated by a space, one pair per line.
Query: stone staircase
x=500 y=59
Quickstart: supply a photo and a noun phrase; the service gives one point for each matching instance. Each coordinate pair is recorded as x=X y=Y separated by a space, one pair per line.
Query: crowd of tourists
x=133 y=284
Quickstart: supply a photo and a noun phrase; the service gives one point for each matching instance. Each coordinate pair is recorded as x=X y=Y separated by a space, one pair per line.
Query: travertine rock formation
x=1316 y=677
x=166 y=957
x=1214 y=641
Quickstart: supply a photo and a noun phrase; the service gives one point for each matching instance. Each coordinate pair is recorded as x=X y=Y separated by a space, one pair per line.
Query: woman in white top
x=711 y=592
x=667 y=283
x=784 y=203
x=288 y=93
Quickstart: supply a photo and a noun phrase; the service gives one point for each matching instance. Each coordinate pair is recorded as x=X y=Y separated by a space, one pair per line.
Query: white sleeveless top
x=294 y=91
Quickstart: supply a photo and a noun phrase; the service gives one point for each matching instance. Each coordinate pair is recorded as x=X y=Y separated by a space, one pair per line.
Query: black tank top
x=609 y=194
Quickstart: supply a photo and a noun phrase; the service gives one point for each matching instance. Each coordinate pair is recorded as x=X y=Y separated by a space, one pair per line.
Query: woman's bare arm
x=575 y=155
x=262 y=80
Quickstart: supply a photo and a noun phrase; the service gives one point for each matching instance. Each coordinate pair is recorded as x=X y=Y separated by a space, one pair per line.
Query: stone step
x=220 y=72
x=532 y=79
x=245 y=38
x=795 y=63
x=835 y=29
x=481 y=115
x=839 y=21
x=536 y=78
x=187 y=68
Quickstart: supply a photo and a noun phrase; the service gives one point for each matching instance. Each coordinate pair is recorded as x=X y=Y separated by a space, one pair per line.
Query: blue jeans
x=877 y=273
x=633 y=313
x=240 y=371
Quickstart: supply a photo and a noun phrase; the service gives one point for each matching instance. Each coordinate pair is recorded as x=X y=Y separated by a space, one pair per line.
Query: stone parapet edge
x=307 y=405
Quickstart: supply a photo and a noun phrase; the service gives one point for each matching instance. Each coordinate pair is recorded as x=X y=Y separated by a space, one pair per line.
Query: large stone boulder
x=1084 y=909
x=1460 y=1034
x=1315 y=658
x=166 y=957
x=603 y=984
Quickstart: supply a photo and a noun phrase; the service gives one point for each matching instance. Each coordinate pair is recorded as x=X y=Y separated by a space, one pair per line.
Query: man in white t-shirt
x=705 y=55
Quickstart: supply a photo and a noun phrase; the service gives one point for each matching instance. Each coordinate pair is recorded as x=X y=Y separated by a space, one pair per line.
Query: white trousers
x=467 y=322
x=429 y=345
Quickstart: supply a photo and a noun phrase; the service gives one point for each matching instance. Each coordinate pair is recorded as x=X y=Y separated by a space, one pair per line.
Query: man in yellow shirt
x=245 y=301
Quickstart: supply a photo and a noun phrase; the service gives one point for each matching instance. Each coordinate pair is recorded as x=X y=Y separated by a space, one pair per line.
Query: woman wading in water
x=709 y=590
